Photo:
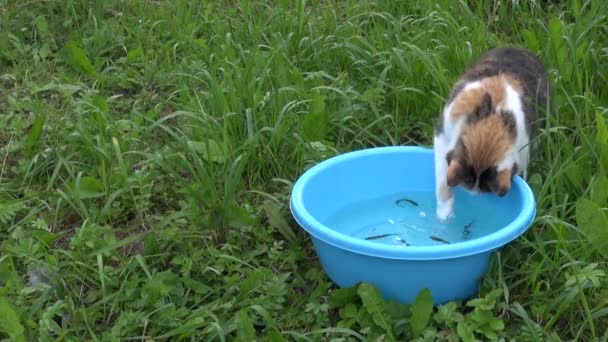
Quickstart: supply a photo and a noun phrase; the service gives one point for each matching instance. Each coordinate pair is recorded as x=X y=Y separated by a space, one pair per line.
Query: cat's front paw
x=445 y=210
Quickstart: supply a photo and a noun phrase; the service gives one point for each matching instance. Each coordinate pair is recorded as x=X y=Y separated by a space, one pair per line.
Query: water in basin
x=408 y=219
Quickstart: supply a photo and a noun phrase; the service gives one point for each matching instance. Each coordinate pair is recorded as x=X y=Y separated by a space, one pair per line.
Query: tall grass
x=148 y=150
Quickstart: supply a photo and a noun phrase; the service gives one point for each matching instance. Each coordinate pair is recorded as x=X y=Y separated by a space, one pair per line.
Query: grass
x=148 y=149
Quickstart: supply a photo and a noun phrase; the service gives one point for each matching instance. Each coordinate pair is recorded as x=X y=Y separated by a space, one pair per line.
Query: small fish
x=376 y=237
x=437 y=238
x=399 y=202
x=467 y=230
x=404 y=242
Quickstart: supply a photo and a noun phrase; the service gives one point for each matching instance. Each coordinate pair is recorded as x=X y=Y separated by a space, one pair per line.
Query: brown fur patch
x=486 y=142
x=453 y=173
x=514 y=83
x=503 y=179
x=495 y=86
x=466 y=102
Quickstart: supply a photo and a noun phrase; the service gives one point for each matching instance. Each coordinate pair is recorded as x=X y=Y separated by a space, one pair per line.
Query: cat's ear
x=454 y=173
x=503 y=182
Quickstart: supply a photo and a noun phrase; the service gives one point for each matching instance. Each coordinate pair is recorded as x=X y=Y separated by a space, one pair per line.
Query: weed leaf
x=101 y=103
x=276 y=220
x=244 y=327
x=316 y=122
x=274 y=336
x=78 y=59
x=34 y=136
x=10 y=323
x=465 y=332
x=87 y=187
x=343 y=296
x=422 y=308
x=592 y=221
x=376 y=307
x=601 y=136
x=210 y=150
x=599 y=191
x=47 y=324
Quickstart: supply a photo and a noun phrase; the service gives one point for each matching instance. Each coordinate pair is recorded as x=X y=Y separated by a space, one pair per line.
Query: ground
x=148 y=149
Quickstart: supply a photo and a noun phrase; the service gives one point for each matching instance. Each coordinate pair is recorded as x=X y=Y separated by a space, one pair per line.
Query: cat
x=483 y=135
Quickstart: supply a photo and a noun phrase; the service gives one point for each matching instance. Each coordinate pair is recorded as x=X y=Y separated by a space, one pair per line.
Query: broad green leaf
x=575 y=174
x=10 y=323
x=422 y=308
x=47 y=324
x=316 y=121
x=253 y=280
x=593 y=222
x=497 y=324
x=487 y=302
x=239 y=217
x=209 y=150
x=244 y=327
x=556 y=28
x=376 y=307
x=601 y=136
x=87 y=187
x=349 y=311
x=531 y=41
x=481 y=317
x=315 y=126
x=465 y=332
x=78 y=59
x=66 y=89
x=603 y=158
x=33 y=138
x=448 y=314
x=599 y=191
x=274 y=336
x=44 y=236
x=343 y=296
x=101 y=103
x=186 y=328
x=276 y=220
x=134 y=54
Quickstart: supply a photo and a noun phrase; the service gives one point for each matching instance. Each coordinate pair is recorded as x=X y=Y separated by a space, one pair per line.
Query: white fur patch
x=521 y=150
x=442 y=144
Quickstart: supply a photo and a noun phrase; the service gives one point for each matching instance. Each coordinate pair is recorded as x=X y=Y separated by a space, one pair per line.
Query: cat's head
x=486 y=142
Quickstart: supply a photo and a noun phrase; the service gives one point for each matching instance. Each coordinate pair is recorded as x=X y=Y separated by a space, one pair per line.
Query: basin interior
x=389 y=198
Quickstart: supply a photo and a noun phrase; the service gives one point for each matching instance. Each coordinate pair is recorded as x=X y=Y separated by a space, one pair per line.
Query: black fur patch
x=487 y=180
x=482 y=111
x=449 y=156
x=510 y=124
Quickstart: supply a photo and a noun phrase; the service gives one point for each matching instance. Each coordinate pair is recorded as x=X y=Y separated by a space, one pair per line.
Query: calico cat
x=482 y=137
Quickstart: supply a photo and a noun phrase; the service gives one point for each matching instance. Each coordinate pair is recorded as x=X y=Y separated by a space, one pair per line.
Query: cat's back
x=525 y=70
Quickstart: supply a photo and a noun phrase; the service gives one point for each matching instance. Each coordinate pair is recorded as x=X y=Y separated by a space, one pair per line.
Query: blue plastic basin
x=451 y=271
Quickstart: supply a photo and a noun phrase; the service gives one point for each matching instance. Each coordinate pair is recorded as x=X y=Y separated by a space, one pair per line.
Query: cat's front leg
x=443 y=193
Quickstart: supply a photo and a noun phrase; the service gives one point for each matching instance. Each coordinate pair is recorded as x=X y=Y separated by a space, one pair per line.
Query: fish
x=376 y=237
x=437 y=238
x=403 y=200
x=467 y=229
